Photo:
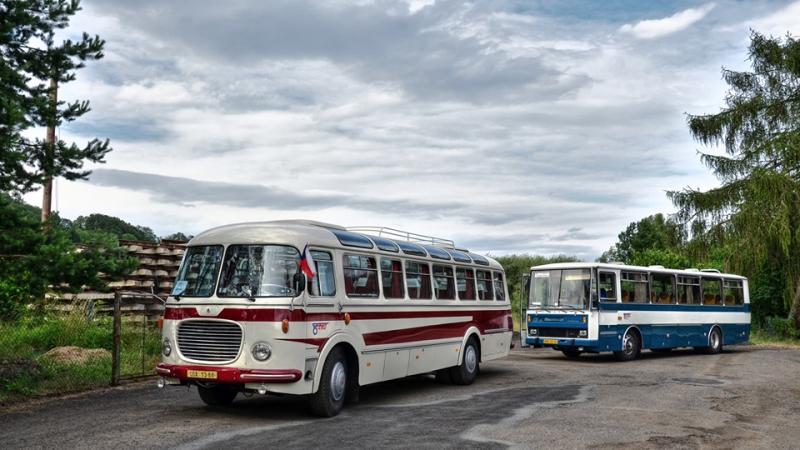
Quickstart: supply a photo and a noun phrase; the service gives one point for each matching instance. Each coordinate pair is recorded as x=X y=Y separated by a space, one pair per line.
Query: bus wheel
x=219 y=395
x=631 y=346
x=571 y=354
x=714 y=342
x=466 y=372
x=329 y=398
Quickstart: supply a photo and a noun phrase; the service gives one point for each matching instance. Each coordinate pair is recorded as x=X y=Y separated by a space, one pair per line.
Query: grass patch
x=25 y=371
x=764 y=338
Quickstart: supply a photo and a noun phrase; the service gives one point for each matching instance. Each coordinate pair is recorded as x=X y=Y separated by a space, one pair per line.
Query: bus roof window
x=459 y=256
x=479 y=259
x=437 y=252
x=411 y=249
x=385 y=244
x=350 y=239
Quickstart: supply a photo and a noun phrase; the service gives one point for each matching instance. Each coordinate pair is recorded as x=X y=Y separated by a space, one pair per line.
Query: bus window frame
x=377 y=271
x=617 y=285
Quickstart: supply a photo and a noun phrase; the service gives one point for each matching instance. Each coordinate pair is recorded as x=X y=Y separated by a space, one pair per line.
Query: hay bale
x=75 y=355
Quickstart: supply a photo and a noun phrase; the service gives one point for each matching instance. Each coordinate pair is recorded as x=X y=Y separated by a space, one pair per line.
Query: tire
x=466 y=372
x=571 y=354
x=330 y=397
x=219 y=395
x=714 y=342
x=631 y=347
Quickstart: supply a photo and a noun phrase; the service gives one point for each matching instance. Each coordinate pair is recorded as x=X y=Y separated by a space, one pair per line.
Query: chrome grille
x=209 y=340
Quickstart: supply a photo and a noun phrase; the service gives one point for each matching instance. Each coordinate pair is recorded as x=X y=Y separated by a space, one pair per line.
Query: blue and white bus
x=594 y=307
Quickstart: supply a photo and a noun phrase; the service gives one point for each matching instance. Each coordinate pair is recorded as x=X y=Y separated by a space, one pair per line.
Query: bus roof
x=299 y=233
x=657 y=269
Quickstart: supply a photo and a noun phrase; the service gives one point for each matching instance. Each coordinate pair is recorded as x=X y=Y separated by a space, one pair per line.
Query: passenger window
x=734 y=292
x=688 y=290
x=360 y=276
x=418 y=280
x=484 y=285
x=499 y=287
x=443 y=283
x=712 y=291
x=608 y=287
x=465 y=281
x=392 y=275
x=662 y=288
x=634 y=287
x=324 y=283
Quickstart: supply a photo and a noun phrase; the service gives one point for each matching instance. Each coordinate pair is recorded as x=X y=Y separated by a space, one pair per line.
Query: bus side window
x=662 y=288
x=360 y=276
x=392 y=273
x=324 y=283
x=465 y=282
x=712 y=292
x=499 y=287
x=634 y=287
x=734 y=292
x=608 y=287
x=688 y=290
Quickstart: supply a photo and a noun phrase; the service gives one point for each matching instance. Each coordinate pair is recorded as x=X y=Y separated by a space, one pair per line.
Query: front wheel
x=219 y=395
x=631 y=346
x=466 y=372
x=571 y=354
x=329 y=398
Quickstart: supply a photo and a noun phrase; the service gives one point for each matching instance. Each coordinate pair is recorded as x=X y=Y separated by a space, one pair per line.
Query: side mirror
x=299 y=281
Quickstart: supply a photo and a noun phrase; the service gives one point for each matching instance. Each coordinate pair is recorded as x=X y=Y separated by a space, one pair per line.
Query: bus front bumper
x=227 y=374
x=560 y=343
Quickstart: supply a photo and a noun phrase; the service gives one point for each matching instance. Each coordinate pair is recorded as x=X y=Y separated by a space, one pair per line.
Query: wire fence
x=72 y=345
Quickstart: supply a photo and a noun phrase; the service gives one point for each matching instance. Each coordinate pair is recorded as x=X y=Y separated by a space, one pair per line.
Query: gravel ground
x=744 y=398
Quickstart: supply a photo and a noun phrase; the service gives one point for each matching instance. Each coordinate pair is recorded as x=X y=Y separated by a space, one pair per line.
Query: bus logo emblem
x=316 y=327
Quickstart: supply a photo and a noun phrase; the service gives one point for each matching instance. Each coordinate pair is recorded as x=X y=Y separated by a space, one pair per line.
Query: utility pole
x=47 y=198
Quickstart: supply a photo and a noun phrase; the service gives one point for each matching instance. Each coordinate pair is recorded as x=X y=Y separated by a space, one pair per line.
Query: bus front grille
x=554 y=332
x=209 y=340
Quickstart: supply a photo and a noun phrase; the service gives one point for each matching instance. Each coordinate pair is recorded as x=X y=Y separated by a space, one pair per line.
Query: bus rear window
x=198 y=274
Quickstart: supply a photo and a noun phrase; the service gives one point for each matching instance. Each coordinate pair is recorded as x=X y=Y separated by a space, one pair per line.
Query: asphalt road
x=743 y=398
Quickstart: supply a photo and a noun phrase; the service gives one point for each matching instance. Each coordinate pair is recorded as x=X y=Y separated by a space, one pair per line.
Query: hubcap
x=338 y=378
x=471 y=359
x=714 y=339
x=627 y=343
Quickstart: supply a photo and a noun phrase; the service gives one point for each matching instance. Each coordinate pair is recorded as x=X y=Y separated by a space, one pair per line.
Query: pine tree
x=33 y=64
x=758 y=202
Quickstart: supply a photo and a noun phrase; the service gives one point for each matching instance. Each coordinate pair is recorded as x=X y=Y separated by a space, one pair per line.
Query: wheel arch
x=339 y=340
x=721 y=334
x=471 y=331
x=636 y=329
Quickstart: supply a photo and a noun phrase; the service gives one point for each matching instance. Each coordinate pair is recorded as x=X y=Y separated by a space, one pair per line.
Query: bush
x=782 y=328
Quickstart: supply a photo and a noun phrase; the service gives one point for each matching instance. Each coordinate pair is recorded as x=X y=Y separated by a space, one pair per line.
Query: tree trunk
x=47 y=195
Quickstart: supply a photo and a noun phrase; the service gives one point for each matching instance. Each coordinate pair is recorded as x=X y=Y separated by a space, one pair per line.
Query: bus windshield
x=259 y=271
x=198 y=274
x=567 y=288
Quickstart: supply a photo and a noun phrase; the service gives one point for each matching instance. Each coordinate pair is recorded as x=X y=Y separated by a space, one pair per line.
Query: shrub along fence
x=68 y=346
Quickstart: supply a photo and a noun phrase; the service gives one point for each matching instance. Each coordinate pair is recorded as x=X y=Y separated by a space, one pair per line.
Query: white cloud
x=779 y=22
x=649 y=29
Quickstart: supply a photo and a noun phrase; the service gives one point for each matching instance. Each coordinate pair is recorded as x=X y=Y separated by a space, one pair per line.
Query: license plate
x=202 y=374
x=551 y=341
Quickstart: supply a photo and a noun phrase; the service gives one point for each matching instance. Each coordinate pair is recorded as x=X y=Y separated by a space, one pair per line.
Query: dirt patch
x=75 y=355
x=11 y=368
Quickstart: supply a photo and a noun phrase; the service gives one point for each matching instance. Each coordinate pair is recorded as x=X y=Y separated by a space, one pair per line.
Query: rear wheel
x=571 y=354
x=714 y=342
x=219 y=395
x=329 y=398
x=631 y=346
x=466 y=372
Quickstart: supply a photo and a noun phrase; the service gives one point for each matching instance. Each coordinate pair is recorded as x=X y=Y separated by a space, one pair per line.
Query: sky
x=507 y=126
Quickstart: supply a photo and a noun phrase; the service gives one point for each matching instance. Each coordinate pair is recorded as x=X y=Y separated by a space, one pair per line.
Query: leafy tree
x=33 y=262
x=758 y=202
x=31 y=74
x=177 y=237
x=651 y=233
x=114 y=226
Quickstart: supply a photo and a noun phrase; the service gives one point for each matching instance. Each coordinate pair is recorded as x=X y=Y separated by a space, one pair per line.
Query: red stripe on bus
x=426 y=333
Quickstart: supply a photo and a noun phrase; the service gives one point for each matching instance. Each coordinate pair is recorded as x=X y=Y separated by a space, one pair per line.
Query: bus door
x=524 y=294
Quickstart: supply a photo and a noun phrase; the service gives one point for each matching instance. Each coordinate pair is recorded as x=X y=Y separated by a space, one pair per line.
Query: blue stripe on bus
x=660 y=307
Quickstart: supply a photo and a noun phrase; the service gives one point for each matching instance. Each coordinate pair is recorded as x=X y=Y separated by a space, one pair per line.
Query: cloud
x=654 y=28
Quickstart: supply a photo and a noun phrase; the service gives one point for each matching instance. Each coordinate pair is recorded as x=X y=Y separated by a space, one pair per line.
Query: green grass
x=23 y=344
x=763 y=338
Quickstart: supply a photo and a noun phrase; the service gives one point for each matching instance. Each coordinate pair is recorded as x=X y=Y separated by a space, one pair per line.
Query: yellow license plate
x=203 y=374
x=551 y=341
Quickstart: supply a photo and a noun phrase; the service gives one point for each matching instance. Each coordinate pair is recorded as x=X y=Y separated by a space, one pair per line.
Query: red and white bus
x=301 y=307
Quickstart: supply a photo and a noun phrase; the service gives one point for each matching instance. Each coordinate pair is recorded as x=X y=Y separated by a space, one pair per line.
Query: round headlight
x=261 y=351
x=166 y=347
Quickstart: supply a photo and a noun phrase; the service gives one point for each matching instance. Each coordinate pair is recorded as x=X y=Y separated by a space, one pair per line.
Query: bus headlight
x=582 y=333
x=261 y=351
x=166 y=347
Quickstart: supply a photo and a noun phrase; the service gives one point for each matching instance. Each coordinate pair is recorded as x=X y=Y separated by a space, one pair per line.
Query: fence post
x=115 y=352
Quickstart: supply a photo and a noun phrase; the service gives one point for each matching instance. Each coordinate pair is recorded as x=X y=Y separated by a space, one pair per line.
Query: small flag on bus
x=307 y=263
